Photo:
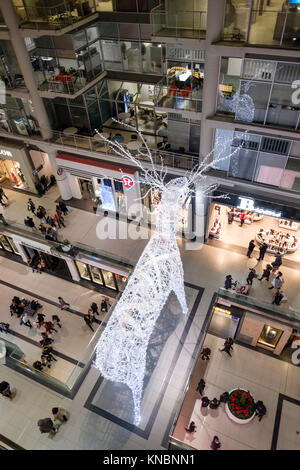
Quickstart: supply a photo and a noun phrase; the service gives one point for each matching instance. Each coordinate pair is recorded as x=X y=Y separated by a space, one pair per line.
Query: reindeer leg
x=178 y=287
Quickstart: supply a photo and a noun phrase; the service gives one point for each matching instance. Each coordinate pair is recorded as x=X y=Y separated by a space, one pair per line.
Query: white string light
x=122 y=347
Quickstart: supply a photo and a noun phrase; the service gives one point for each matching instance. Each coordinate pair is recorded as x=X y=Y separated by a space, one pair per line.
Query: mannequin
x=14 y=176
x=20 y=174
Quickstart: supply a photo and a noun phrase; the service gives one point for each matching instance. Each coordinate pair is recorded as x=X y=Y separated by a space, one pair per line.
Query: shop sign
x=248 y=205
x=5 y=153
x=60 y=171
x=127 y=181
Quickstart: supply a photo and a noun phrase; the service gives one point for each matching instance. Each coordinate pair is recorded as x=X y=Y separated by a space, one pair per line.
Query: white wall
x=39 y=158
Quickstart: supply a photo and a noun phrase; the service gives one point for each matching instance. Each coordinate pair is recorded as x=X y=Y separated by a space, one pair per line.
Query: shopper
x=205 y=354
x=2 y=219
x=251 y=276
x=63 y=303
x=227 y=346
x=205 y=402
x=56 y=320
x=49 y=327
x=266 y=273
x=192 y=427
x=278 y=262
x=260 y=409
x=46 y=425
x=215 y=444
x=92 y=316
x=59 y=219
x=40 y=318
x=104 y=304
x=262 y=251
x=38 y=366
x=25 y=320
x=29 y=222
x=5 y=390
x=278 y=297
x=251 y=247
x=31 y=206
x=224 y=397
x=200 y=386
x=230 y=216
x=214 y=404
x=88 y=320
x=242 y=218
x=60 y=414
x=94 y=308
x=228 y=281
x=2 y=194
x=277 y=282
x=4 y=327
x=62 y=206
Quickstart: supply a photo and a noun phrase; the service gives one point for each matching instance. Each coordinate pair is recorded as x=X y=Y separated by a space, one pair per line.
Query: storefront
x=15 y=169
x=103 y=277
x=264 y=222
x=7 y=245
x=112 y=188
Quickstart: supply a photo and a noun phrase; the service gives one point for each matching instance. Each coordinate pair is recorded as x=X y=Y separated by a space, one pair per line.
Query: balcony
x=55 y=17
x=267 y=27
x=178 y=23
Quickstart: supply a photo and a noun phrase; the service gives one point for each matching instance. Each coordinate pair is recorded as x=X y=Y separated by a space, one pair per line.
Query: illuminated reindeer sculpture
x=122 y=348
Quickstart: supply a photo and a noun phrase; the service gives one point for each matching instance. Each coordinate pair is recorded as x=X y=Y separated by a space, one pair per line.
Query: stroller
x=241 y=289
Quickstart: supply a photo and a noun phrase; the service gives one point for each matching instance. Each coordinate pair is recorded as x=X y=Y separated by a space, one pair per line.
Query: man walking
x=200 y=386
x=63 y=303
x=88 y=320
x=250 y=248
x=266 y=273
x=31 y=206
x=227 y=346
x=262 y=251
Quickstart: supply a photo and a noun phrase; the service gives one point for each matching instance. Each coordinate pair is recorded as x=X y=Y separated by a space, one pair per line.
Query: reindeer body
x=122 y=348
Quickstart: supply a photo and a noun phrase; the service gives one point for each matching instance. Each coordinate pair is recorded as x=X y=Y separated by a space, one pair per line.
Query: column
x=74 y=186
x=72 y=268
x=214 y=31
x=19 y=47
x=61 y=177
x=21 y=250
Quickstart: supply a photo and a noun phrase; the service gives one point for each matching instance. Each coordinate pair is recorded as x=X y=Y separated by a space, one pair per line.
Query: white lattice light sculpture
x=122 y=348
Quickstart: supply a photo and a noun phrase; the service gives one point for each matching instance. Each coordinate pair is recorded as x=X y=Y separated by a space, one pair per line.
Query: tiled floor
x=265 y=377
x=88 y=430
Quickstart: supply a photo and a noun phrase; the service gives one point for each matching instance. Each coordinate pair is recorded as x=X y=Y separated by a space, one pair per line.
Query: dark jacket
x=45 y=425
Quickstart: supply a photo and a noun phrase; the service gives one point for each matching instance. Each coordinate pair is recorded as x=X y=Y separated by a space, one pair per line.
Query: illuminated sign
x=5 y=153
x=248 y=205
x=127 y=181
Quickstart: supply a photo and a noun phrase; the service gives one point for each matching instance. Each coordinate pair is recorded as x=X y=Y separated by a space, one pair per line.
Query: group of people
x=46 y=328
x=21 y=307
x=90 y=317
x=215 y=443
x=52 y=425
x=53 y=222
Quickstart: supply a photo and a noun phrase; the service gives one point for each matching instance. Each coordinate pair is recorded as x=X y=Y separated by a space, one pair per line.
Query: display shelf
x=250 y=216
x=288 y=224
x=215 y=229
x=277 y=241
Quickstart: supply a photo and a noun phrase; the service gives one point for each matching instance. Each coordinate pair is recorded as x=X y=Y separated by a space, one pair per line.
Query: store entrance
x=11 y=175
x=50 y=264
x=87 y=190
x=226 y=229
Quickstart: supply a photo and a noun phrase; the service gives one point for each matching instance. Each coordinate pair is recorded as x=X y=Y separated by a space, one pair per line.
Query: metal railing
x=53 y=18
x=170 y=159
x=69 y=83
x=265 y=27
x=178 y=23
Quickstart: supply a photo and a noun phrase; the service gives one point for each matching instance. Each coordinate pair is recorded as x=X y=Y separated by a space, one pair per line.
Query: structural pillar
x=18 y=43
x=61 y=176
x=214 y=30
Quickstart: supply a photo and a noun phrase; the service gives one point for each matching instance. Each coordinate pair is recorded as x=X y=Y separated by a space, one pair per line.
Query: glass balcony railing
x=268 y=26
x=68 y=83
x=178 y=23
x=54 y=17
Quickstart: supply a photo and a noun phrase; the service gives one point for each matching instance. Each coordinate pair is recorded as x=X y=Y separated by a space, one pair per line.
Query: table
x=70 y=130
x=134 y=145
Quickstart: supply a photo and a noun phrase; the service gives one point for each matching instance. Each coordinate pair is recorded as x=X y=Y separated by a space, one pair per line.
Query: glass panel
x=92 y=33
x=108 y=279
x=129 y=31
x=222 y=148
x=269 y=168
x=282 y=111
x=194 y=139
x=5 y=243
x=266 y=27
x=83 y=270
x=95 y=57
x=79 y=39
x=151 y=57
x=291 y=35
x=112 y=55
x=236 y=20
x=147 y=5
x=131 y=56
x=287 y=72
x=109 y=30
x=146 y=31
x=126 y=5
x=96 y=275
x=242 y=164
x=291 y=175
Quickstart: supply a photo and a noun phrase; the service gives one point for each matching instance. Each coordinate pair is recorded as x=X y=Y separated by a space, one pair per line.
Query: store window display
x=12 y=171
x=269 y=336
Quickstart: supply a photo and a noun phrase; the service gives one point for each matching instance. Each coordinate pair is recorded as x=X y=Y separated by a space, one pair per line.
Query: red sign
x=59 y=171
x=127 y=181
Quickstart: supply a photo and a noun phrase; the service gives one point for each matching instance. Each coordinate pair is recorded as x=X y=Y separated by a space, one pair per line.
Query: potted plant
x=66 y=245
x=240 y=406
